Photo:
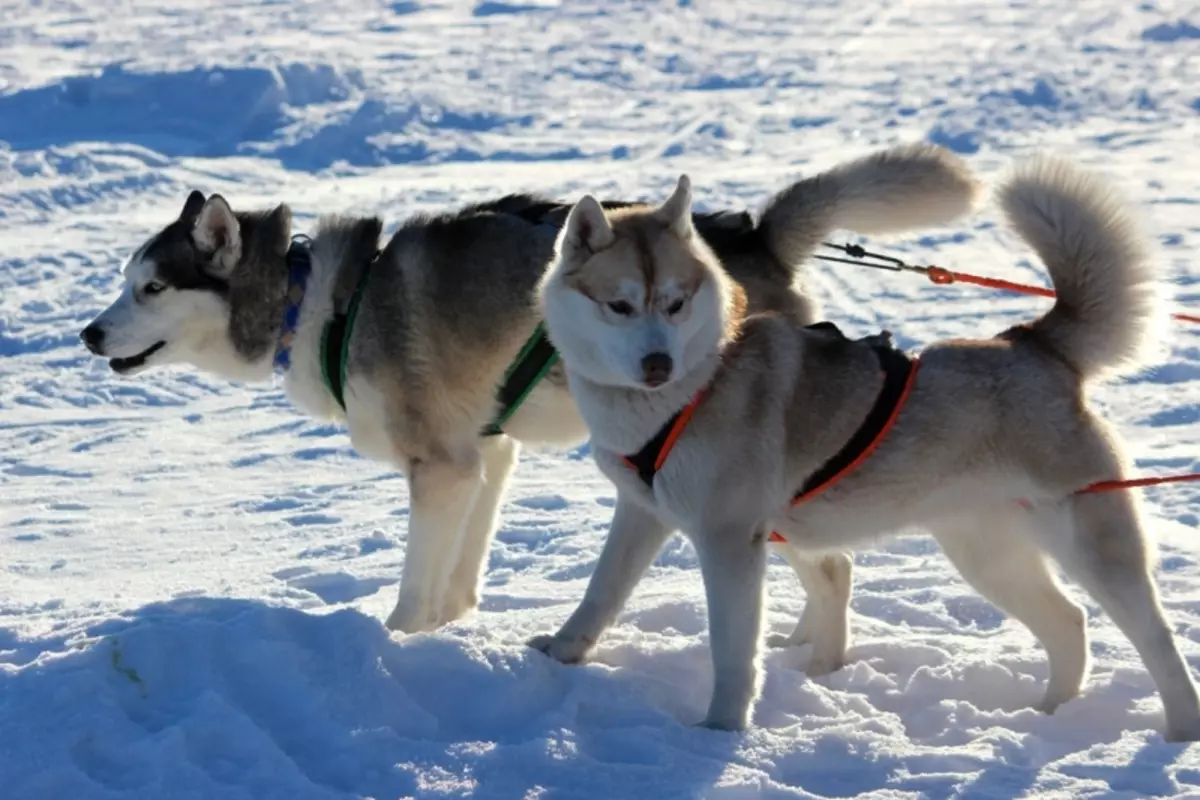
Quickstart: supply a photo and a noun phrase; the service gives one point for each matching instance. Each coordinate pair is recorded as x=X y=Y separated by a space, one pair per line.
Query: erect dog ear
x=217 y=232
x=192 y=206
x=676 y=212
x=587 y=227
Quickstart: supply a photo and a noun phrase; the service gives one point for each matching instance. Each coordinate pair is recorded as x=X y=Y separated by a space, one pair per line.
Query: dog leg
x=997 y=556
x=499 y=454
x=442 y=492
x=1101 y=544
x=634 y=540
x=825 y=622
x=733 y=563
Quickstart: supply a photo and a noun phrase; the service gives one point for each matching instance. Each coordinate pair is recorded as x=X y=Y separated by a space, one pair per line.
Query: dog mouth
x=125 y=365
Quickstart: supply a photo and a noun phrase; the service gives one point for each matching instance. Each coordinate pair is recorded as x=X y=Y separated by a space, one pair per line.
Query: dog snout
x=93 y=338
x=656 y=369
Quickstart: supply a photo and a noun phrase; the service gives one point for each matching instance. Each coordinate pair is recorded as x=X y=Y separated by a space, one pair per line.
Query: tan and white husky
x=710 y=422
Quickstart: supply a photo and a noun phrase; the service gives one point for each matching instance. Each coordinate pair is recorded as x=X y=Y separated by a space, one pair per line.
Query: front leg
x=634 y=540
x=733 y=562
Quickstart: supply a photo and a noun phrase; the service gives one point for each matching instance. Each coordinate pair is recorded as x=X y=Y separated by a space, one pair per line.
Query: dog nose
x=93 y=337
x=656 y=369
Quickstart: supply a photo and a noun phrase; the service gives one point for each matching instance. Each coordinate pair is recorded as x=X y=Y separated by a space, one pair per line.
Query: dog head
x=207 y=290
x=635 y=297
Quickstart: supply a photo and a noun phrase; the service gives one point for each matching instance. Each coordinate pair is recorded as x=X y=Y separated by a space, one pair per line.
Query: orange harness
x=899 y=375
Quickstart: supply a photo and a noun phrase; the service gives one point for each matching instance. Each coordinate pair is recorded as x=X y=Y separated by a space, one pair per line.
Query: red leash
x=1095 y=488
x=860 y=256
x=1134 y=483
x=944 y=277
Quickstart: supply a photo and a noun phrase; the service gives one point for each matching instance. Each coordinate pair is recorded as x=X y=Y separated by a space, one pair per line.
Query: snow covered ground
x=193 y=575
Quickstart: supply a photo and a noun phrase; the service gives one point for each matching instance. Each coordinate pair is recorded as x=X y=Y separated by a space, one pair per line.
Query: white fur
x=192 y=324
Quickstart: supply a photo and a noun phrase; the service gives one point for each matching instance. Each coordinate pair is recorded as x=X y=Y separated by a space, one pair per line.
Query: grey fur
x=892 y=190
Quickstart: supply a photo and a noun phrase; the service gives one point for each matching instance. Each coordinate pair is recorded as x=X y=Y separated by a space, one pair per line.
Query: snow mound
x=197 y=112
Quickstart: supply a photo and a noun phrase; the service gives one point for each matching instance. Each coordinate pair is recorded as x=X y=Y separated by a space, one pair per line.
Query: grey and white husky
x=986 y=443
x=433 y=321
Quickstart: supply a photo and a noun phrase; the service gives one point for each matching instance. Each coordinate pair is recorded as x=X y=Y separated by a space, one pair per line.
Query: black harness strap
x=335 y=340
x=645 y=460
x=536 y=358
x=896 y=368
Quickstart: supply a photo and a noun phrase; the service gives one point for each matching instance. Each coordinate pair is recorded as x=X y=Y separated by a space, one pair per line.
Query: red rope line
x=945 y=277
x=1133 y=483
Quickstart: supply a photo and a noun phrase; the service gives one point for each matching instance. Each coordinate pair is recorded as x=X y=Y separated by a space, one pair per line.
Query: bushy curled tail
x=1108 y=313
x=899 y=189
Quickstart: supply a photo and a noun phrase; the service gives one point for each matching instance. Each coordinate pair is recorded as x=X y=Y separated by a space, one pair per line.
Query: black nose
x=93 y=337
x=656 y=369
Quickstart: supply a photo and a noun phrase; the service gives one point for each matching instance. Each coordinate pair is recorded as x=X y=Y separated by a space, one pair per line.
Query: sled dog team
x=685 y=347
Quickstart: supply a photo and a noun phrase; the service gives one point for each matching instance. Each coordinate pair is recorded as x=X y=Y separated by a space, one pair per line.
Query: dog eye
x=621 y=307
x=152 y=288
x=674 y=308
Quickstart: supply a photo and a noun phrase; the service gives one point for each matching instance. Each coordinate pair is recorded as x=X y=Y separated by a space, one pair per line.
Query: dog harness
x=531 y=364
x=536 y=358
x=899 y=375
x=335 y=339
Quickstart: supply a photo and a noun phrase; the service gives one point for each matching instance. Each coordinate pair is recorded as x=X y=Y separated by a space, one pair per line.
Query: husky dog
x=438 y=316
x=990 y=444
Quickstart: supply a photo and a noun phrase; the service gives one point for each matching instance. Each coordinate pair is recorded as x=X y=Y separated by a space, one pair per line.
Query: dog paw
x=722 y=722
x=564 y=649
x=1189 y=732
x=455 y=608
x=780 y=640
x=823 y=665
x=410 y=617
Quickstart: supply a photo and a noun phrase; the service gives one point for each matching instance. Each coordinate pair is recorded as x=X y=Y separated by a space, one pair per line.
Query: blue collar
x=299 y=268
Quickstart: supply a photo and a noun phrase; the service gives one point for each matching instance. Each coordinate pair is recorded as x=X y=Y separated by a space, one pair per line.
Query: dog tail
x=1108 y=314
x=899 y=189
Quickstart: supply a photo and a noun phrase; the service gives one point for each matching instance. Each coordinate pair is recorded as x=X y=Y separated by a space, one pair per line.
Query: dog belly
x=864 y=516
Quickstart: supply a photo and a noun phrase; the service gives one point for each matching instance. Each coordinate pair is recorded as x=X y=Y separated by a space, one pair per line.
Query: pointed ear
x=587 y=227
x=677 y=211
x=192 y=206
x=217 y=232
x=280 y=221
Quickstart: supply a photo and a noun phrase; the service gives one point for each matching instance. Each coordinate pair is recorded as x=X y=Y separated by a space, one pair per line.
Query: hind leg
x=499 y=454
x=443 y=489
x=1100 y=542
x=825 y=622
x=997 y=556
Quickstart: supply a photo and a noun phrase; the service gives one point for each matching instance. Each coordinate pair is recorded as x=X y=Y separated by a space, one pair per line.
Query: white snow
x=194 y=575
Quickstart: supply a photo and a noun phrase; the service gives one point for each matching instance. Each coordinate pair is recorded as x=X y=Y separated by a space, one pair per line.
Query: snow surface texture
x=194 y=576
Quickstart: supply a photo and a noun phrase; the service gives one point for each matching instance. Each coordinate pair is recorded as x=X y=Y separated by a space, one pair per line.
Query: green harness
x=525 y=372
